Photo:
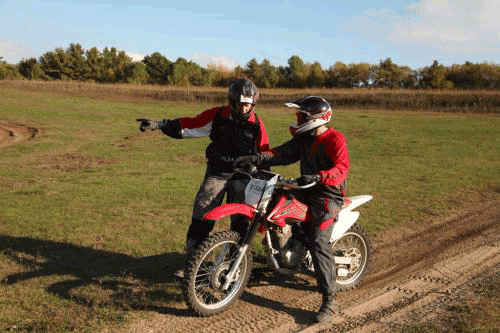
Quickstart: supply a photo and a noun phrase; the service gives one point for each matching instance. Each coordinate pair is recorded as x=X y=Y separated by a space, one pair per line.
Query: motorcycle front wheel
x=355 y=244
x=206 y=272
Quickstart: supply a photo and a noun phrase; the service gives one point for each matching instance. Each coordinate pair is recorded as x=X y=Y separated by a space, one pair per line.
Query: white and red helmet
x=313 y=111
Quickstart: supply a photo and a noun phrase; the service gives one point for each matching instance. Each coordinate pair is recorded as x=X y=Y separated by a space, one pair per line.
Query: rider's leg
x=209 y=196
x=324 y=270
x=198 y=231
x=323 y=213
x=236 y=193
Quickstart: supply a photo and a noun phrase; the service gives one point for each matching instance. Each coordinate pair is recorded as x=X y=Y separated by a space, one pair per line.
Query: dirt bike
x=217 y=272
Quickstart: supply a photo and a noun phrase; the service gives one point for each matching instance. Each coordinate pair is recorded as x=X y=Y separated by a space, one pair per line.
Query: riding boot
x=198 y=231
x=189 y=248
x=327 y=310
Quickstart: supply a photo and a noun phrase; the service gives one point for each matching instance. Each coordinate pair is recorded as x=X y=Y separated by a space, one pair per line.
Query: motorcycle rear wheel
x=206 y=271
x=356 y=244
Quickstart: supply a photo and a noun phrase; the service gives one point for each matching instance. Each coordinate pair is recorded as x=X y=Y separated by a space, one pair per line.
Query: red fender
x=230 y=209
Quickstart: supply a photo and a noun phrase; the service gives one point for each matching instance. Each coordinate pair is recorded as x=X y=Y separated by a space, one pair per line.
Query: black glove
x=308 y=179
x=245 y=162
x=171 y=127
x=147 y=124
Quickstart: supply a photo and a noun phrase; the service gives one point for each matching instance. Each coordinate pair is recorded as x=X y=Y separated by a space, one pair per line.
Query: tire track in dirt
x=411 y=271
x=12 y=133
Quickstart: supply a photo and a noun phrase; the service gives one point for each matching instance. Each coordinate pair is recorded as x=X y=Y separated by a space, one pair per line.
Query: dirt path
x=416 y=268
x=11 y=133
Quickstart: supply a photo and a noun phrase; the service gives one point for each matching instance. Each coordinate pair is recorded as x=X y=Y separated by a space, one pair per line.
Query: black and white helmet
x=313 y=111
x=240 y=91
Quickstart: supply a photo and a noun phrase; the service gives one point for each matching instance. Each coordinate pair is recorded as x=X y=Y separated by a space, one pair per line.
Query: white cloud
x=452 y=26
x=135 y=57
x=12 y=51
x=204 y=60
x=489 y=16
x=441 y=8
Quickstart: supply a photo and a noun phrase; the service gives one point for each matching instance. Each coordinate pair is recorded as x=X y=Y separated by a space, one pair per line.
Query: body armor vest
x=234 y=137
x=231 y=139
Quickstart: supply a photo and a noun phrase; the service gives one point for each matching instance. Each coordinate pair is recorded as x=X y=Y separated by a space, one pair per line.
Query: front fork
x=245 y=244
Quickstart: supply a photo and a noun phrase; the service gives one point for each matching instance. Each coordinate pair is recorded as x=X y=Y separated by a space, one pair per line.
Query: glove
x=147 y=124
x=245 y=162
x=308 y=179
x=171 y=127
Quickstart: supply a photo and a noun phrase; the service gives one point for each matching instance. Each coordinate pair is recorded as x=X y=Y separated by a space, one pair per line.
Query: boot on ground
x=327 y=310
x=189 y=248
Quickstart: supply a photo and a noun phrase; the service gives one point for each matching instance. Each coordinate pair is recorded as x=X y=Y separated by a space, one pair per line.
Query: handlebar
x=290 y=183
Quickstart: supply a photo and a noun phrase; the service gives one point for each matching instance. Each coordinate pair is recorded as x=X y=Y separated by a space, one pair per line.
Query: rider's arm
x=285 y=154
x=336 y=149
x=190 y=127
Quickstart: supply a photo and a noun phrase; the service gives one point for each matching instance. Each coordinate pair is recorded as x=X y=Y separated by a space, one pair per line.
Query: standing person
x=235 y=130
x=323 y=157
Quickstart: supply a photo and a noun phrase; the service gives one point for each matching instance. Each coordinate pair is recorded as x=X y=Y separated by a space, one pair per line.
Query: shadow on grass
x=116 y=279
x=119 y=280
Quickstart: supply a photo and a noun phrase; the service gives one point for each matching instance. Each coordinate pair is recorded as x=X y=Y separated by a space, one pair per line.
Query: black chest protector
x=234 y=138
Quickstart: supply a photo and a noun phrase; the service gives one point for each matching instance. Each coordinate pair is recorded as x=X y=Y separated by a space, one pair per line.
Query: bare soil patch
x=12 y=133
x=420 y=271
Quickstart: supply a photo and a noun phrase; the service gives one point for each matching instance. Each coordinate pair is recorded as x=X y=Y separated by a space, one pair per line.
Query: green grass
x=93 y=213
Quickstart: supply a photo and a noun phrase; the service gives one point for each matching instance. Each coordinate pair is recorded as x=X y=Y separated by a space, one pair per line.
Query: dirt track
x=417 y=269
x=11 y=133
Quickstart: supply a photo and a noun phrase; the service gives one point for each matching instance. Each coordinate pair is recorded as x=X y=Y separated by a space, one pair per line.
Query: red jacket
x=201 y=125
x=325 y=155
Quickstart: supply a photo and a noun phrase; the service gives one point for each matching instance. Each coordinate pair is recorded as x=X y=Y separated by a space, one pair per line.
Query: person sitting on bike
x=235 y=130
x=324 y=159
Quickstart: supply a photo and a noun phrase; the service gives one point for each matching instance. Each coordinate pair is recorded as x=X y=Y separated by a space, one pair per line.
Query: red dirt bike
x=218 y=271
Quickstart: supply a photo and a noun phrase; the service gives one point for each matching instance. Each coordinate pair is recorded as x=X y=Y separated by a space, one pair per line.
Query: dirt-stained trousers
x=211 y=193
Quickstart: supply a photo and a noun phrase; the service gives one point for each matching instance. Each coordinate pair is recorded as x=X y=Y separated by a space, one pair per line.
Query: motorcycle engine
x=290 y=248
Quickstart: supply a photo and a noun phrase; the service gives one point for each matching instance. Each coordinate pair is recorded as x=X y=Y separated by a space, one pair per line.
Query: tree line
x=113 y=66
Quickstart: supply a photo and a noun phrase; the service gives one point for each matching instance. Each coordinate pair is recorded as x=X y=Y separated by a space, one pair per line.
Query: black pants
x=323 y=212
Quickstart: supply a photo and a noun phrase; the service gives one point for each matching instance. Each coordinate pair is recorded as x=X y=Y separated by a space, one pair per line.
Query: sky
x=412 y=33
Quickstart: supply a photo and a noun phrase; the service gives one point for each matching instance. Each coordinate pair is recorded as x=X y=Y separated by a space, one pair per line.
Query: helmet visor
x=244 y=99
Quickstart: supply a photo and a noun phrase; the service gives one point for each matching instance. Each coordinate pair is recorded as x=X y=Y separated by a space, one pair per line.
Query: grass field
x=93 y=213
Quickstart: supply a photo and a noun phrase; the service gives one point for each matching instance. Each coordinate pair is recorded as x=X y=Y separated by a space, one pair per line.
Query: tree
x=8 y=72
x=238 y=72
x=316 y=77
x=139 y=74
x=55 y=64
x=360 y=74
x=117 y=66
x=95 y=65
x=338 y=76
x=269 y=76
x=297 y=74
x=435 y=76
x=252 y=70
x=185 y=73
x=217 y=75
x=27 y=68
x=158 y=68
x=76 y=63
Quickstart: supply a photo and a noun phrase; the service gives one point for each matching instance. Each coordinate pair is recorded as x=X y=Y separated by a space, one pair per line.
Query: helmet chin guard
x=313 y=112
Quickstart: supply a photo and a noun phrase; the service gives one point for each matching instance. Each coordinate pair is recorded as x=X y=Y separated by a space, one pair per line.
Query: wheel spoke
x=210 y=271
x=353 y=246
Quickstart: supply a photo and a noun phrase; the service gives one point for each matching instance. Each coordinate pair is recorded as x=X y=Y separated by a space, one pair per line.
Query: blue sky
x=411 y=32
